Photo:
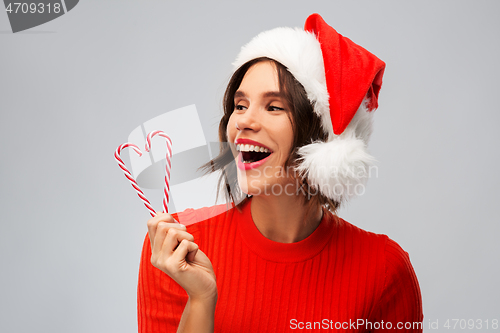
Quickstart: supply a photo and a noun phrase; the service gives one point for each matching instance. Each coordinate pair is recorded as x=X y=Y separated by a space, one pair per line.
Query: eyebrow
x=267 y=94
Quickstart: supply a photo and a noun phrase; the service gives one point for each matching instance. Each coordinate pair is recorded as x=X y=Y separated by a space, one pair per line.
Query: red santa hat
x=342 y=81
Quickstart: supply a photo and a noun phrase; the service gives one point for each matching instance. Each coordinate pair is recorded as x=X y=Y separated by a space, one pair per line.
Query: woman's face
x=261 y=129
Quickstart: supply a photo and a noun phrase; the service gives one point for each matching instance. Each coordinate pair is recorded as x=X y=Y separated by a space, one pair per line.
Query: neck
x=285 y=219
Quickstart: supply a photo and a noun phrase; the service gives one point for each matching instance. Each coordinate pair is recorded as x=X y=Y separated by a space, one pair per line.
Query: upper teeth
x=240 y=147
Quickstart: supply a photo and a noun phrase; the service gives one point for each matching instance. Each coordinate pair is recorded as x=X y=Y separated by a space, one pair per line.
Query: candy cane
x=166 y=189
x=129 y=176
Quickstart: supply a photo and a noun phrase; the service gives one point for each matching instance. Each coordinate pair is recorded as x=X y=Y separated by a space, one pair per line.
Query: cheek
x=286 y=131
x=231 y=130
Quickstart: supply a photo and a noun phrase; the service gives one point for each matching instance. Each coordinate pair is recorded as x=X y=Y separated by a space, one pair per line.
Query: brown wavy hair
x=306 y=129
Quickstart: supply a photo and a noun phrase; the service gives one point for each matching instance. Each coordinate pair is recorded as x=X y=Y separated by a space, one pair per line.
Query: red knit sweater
x=340 y=277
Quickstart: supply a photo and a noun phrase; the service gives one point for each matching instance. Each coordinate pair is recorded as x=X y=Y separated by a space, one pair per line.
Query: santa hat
x=342 y=81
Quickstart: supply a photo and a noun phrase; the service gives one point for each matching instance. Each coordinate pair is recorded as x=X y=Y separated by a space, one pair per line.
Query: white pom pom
x=339 y=169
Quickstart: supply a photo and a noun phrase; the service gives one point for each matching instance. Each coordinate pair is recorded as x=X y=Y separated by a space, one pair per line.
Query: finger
x=185 y=249
x=191 y=255
x=161 y=233
x=160 y=217
x=173 y=238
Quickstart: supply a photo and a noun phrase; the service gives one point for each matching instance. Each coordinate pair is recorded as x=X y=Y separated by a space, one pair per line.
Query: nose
x=248 y=121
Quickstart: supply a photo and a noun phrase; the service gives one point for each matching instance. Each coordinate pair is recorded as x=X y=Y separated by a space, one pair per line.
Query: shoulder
x=387 y=257
x=396 y=258
x=390 y=253
x=399 y=272
x=397 y=289
x=359 y=240
x=401 y=297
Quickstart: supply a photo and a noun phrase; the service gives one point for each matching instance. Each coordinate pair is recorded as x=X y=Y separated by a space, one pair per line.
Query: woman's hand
x=175 y=253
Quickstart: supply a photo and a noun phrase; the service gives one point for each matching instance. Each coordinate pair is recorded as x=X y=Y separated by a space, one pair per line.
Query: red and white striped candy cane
x=129 y=175
x=168 y=164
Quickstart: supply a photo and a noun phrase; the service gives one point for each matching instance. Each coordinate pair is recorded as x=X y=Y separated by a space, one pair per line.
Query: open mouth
x=251 y=153
x=250 y=157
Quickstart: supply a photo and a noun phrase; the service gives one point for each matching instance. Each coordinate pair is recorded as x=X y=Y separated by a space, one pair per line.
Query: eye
x=275 y=108
x=240 y=107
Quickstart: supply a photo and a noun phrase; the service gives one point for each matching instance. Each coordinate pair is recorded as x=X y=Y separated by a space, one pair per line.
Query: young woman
x=297 y=118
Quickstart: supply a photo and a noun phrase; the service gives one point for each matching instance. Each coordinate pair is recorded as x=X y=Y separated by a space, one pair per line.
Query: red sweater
x=340 y=277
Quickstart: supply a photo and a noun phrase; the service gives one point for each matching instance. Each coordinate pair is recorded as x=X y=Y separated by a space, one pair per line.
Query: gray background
x=72 y=90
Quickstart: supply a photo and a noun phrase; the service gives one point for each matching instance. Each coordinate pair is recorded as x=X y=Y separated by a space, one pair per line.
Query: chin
x=262 y=186
x=249 y=188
